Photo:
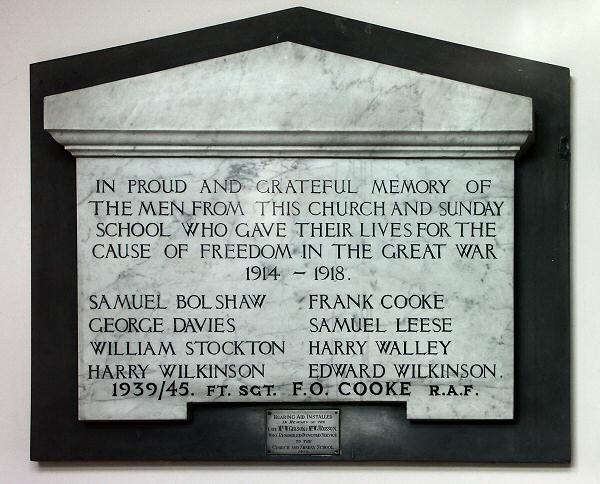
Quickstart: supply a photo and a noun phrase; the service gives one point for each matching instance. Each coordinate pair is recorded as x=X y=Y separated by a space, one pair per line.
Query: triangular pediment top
x=288 y=87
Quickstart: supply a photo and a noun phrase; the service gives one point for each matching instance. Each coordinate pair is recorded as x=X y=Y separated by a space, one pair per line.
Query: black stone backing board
x=541 y=430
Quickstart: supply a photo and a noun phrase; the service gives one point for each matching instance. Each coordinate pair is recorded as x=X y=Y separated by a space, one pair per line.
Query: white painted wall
x=564 y=32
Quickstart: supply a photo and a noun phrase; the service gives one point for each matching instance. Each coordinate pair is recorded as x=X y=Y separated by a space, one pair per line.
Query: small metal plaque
x=308 y=432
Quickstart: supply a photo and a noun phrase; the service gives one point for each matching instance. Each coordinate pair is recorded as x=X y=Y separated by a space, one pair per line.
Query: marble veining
x=288 y=99
x=478 y=294
x=288 y=111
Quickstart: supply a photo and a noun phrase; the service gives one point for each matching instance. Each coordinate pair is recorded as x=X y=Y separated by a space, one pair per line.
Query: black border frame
x=541 y=430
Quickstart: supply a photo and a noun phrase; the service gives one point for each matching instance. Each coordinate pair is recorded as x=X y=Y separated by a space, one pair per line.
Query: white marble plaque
x=289 y=224
x=295 y=280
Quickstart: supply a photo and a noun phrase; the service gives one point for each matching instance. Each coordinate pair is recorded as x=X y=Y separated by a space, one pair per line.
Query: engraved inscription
x=307 y=432
x=295 y=280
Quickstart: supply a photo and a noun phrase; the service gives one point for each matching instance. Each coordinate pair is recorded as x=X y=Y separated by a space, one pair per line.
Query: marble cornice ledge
x=407 y=144
x=289 y=100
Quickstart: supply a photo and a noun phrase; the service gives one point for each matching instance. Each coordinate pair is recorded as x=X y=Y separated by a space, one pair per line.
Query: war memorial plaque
x=292 y=240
